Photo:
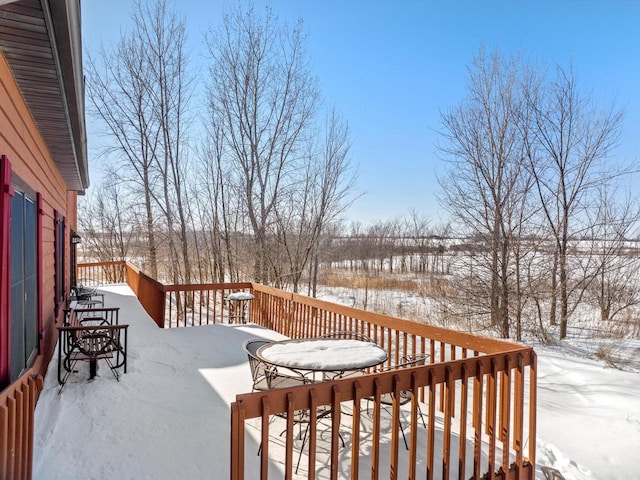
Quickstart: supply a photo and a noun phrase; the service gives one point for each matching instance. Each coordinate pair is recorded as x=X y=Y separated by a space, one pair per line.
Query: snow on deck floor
x=168 y=417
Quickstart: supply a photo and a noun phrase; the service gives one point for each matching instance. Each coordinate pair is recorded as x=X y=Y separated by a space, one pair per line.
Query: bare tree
x=107 y=222
x=118 y=87
x=484 y=147
x=163 y=34
x=217 y=214
x=141 y=91
x=263 y=95
x=332 y=185
x=615 y=287
x=573 y=138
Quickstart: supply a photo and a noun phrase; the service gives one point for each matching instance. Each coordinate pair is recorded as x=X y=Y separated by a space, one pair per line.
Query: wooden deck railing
x=169 y=305
x=17 y=410
x=477 y=424
x=102 y=273
x=476 y=388
x=481 y=391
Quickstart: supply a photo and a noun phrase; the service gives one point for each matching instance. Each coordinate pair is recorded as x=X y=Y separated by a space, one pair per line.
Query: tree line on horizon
x=249 y=182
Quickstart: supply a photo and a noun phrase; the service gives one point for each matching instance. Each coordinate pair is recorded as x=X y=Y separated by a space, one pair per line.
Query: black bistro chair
x=386 y=399
x=258 y=368
x=347 y=335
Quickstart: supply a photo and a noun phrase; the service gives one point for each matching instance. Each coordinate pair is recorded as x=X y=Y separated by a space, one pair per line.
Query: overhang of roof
x=41 y=40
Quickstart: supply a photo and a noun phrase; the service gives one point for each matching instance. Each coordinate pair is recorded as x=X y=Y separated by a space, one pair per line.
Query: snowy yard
x=168 y=417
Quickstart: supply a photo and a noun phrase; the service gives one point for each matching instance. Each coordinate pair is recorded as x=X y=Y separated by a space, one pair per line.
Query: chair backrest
x=412 y=360
x=290 y=379
x=347 y=335
x=406 y=362
x=258 y=367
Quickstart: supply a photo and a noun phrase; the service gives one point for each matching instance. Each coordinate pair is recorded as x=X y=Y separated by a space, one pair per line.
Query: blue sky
x=391 y=67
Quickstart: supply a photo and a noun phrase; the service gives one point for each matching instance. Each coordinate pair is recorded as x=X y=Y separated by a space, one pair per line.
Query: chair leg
x=68 y=371
x=113 y=368
x=408 y=423
x=304 y=441
x=422 y=416
x=404 y=437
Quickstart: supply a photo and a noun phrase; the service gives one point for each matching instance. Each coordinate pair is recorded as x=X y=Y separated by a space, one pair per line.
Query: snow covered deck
x=167 y=418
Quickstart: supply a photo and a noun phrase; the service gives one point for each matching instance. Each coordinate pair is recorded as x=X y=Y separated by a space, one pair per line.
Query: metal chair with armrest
x=347 y=335
x=387 y=399
x=258 y=367
x=266 y=377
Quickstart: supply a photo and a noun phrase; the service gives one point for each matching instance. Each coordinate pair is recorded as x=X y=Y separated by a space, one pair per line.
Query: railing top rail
x=99 y=264
x=206 y=286
x=461 y=339
x=12 y=388
x=272 y=291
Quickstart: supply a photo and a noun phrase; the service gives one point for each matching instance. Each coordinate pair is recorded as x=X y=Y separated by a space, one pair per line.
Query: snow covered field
x=168 y=417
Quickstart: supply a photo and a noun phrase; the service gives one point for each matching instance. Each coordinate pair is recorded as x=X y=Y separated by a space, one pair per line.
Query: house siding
x=31 y=161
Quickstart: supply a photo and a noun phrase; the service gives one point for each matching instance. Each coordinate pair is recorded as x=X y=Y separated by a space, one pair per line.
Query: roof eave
x=66 y=24
x=41 y=40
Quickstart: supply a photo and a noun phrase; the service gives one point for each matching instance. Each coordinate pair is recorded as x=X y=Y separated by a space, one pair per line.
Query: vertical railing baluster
x=431 y=425
x=462 y=445
x=492 y=395
x=478 y=383
x=505 y=410
x=518 y=414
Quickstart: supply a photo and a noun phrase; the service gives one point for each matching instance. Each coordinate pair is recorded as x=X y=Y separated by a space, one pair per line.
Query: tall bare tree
x=162 y=33
x=262 y=93
x=484 y=147
x=573 y=137
x=615 y=286
x=141 y=91
x=319 y=196
x=118 y=87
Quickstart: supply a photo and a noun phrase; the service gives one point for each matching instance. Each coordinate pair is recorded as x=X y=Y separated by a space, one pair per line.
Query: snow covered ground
x=168 y=417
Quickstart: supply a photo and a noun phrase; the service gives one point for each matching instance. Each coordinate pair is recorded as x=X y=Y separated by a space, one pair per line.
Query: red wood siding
x=22 y=143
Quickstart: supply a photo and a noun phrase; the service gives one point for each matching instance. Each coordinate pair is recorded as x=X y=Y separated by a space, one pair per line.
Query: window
x=24 y=283
x=20 y=316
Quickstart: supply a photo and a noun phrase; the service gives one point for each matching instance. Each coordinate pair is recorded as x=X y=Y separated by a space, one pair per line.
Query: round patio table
x=323 y=354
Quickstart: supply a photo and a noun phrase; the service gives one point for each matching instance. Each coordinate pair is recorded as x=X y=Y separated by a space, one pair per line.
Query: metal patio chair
x=258 y=367
x=347 y=335
x=386 y=399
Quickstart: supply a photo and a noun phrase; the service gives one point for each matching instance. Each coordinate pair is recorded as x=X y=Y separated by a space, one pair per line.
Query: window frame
x=59 y=229
x=33 y=337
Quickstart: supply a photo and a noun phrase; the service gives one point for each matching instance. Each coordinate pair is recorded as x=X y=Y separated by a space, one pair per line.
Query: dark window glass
x=59 y=261
x=24 y=288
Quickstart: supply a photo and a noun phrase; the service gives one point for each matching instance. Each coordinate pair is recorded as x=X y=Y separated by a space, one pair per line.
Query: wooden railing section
x=17 y=410
x=169 y=305
x=101 y=273
x=479 y=390
x=474 y=409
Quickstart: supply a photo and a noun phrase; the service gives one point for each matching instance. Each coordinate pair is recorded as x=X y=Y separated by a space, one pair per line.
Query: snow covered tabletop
x=323 y=354
x=237 y=296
